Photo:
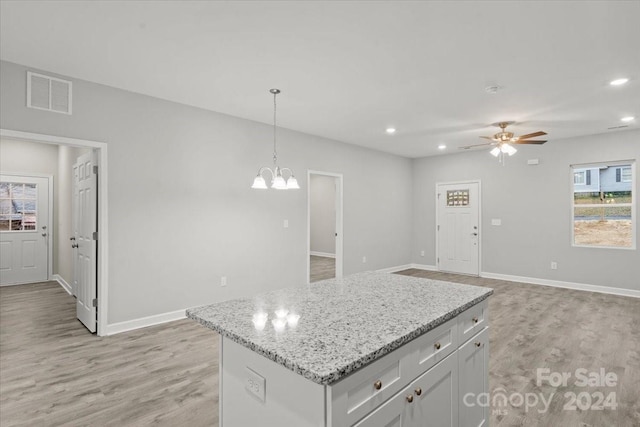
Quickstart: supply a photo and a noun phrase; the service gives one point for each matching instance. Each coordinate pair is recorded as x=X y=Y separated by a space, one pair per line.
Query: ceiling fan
x=503 y=141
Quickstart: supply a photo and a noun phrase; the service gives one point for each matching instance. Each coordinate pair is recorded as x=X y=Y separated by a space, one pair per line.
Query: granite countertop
x=344 y=324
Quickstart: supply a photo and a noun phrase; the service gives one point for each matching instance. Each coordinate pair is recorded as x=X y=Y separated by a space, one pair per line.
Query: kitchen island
x=371 y=349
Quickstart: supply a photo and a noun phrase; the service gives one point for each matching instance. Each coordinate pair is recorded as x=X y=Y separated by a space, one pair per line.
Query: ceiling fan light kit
x=277 y=179
x=503 y=141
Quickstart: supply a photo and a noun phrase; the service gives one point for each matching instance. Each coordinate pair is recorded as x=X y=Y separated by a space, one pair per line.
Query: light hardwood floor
x=322 y=268
x=53 y=372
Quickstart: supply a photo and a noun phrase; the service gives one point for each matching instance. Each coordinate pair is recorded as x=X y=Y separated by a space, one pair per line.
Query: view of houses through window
x=18 y=206
x=603 y=205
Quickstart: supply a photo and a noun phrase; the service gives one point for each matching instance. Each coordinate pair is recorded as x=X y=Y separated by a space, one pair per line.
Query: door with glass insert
x=24 y=229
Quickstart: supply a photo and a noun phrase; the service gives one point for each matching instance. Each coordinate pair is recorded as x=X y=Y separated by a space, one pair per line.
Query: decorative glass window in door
x=458 y=197
x=18 y=206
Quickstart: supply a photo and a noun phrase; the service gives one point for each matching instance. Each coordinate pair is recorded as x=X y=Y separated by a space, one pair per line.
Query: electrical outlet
x=255 y=384
x=364 y=259
x=421 y=253
x=223 y=281
x=554 y=265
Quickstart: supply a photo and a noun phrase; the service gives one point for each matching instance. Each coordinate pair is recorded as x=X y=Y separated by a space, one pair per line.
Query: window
x=626 y=174
x=603 y=205
x=18 y=206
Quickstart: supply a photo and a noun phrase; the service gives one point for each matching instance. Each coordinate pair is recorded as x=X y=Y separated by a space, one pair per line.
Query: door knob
x=44 y=234
x=474 y=234
x=72 y=238
x=74 y=245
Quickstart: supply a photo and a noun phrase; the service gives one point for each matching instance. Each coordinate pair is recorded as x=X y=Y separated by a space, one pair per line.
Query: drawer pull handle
x=475 y=320
x=437 y=346
x=377 y=385
x=478 y=344
x=418 y=391
x=410 y=398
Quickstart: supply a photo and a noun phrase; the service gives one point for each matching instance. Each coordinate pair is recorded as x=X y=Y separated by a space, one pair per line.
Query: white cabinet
x=431 y=400
x=424 y=382
x=473 y=367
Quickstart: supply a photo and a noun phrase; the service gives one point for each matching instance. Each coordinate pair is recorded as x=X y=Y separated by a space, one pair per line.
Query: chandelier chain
x=275 y=152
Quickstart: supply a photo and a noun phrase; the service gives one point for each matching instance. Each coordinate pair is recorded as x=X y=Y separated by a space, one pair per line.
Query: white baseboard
x=322 y=254
x=425 y=267
x=143 y=322
x=406 y=267
x=67 y=287
x=561 y=284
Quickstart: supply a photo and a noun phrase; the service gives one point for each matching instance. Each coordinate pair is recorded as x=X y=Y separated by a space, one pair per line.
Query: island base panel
x=289 y=398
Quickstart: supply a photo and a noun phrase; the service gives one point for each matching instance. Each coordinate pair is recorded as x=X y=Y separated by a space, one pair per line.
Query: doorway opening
x=325 y=226
x=99 y=239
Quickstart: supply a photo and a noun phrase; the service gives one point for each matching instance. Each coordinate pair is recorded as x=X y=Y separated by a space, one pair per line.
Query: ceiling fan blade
x=531 y=135
x=530 y=141
x=477 y=145
x=488 y=137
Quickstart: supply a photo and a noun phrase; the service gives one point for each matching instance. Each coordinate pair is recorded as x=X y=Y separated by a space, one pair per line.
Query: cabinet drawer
x=363 y=391
x=435 y=345
x=432 y=396
x=472 y=321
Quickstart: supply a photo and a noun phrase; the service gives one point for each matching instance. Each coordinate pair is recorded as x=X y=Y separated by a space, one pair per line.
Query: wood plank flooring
x=54 y=373
x=535 y=327
x=322 y=268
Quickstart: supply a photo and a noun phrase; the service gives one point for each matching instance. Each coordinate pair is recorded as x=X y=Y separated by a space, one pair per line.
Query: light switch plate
x=496 y=221
x=255 y=383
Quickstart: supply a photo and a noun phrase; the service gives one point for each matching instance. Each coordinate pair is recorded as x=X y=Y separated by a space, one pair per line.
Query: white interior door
x=25 y=226
x=458 y=227
x=85 y=223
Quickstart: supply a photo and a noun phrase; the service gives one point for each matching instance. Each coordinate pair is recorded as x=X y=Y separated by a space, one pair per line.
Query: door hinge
x=438 y=195
x=94 y=302
x=95 y=235
x=438 y=260
x=438 y=227
x=95 y=170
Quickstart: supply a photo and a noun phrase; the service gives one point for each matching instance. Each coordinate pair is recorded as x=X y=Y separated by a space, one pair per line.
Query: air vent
x=48 y=93
x=618 y=127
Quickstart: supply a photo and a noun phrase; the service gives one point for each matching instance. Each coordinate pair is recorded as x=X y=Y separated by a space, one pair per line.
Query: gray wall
x=181 y=210
x=534 y=203
x=323 y=214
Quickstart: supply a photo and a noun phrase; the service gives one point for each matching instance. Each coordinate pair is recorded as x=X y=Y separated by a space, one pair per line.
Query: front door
x=458 y=228
x=24 y=229
x=84 y=221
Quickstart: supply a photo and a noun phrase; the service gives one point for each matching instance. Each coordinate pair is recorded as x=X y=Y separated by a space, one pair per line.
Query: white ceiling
x=348 y=70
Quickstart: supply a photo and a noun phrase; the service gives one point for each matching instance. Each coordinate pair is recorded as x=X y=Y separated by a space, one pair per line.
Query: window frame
x=582 y=174
x=624 y=164
x=622 y=175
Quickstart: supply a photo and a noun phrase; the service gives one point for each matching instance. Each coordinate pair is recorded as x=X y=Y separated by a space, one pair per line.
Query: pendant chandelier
x=277 y=179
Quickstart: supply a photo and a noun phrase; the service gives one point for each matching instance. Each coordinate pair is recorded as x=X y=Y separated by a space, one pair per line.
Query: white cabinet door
x=473 y=371
x=435 y=396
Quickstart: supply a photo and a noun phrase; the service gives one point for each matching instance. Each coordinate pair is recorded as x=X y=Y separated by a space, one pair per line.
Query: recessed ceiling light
x=627 y=119
x=391 y=130
x=618 y=82
x=442 y=146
